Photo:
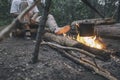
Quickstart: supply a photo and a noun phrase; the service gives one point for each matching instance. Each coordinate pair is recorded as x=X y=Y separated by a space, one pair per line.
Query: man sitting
x=18 y=6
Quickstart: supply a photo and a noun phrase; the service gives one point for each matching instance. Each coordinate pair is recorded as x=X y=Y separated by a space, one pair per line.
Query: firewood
x=101 y=54
x=86 y=63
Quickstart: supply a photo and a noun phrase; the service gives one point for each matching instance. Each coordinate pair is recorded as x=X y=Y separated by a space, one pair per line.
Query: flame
x=91 y=41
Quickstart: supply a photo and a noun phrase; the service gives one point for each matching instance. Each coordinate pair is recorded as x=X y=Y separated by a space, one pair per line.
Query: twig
x=69 y=48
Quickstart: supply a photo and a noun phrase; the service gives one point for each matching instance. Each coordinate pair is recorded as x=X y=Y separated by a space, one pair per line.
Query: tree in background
x=4 y=12
x=66 y=11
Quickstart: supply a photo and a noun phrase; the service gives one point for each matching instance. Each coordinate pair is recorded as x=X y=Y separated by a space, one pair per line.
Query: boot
x=62 y=30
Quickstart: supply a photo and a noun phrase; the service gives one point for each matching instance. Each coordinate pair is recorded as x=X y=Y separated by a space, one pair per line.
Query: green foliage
x=65 y=11
x=4 y=12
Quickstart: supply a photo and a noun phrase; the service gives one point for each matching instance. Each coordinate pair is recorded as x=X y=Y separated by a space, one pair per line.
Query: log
x=5 y=32
x=109 y=31
x=98 y=21
x=101 y=54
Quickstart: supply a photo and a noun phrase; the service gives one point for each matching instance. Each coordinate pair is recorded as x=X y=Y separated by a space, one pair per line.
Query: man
x=19 y=5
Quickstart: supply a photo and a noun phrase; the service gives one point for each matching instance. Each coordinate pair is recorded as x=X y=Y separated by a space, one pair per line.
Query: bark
x=5 y=32
x=100 y=54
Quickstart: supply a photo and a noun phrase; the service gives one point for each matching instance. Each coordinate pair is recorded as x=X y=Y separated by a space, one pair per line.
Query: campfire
x=91 y=41
x=86 y=35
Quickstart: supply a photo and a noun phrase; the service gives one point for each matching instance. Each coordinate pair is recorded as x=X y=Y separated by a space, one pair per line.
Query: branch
x=69 y=48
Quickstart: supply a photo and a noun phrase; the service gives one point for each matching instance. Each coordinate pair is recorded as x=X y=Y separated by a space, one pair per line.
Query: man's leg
x=27 y=31
x=51 y=23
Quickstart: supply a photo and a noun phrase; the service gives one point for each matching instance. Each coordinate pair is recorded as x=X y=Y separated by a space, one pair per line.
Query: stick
x=69 y=48
x=41 y=31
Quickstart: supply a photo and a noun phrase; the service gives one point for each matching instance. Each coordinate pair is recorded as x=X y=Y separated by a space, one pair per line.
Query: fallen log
x=5 y=32
x=101 y=54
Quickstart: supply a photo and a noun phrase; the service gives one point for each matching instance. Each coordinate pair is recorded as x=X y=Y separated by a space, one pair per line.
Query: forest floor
x=16 y=53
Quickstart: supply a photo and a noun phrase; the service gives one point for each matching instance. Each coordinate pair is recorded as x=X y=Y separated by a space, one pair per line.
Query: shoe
x=62 y=30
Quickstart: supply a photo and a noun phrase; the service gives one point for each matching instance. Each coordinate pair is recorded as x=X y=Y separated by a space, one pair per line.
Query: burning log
x=101 y=54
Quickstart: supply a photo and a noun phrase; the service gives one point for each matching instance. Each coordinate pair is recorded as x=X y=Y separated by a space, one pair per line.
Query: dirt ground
x=15 y=54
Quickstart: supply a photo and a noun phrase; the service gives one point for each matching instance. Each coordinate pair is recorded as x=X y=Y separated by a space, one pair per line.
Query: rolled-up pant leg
x=51 y=23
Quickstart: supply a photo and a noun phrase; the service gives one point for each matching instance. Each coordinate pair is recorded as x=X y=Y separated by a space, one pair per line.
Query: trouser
x=51 y=23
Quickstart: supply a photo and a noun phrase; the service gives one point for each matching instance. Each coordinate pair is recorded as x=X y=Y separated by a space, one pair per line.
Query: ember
x=91 y=41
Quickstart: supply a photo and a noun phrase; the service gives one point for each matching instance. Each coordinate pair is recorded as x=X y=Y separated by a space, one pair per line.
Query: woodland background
x=66 y=11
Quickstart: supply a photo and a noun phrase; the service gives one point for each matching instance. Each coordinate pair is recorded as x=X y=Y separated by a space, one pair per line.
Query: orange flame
x=91 y=42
